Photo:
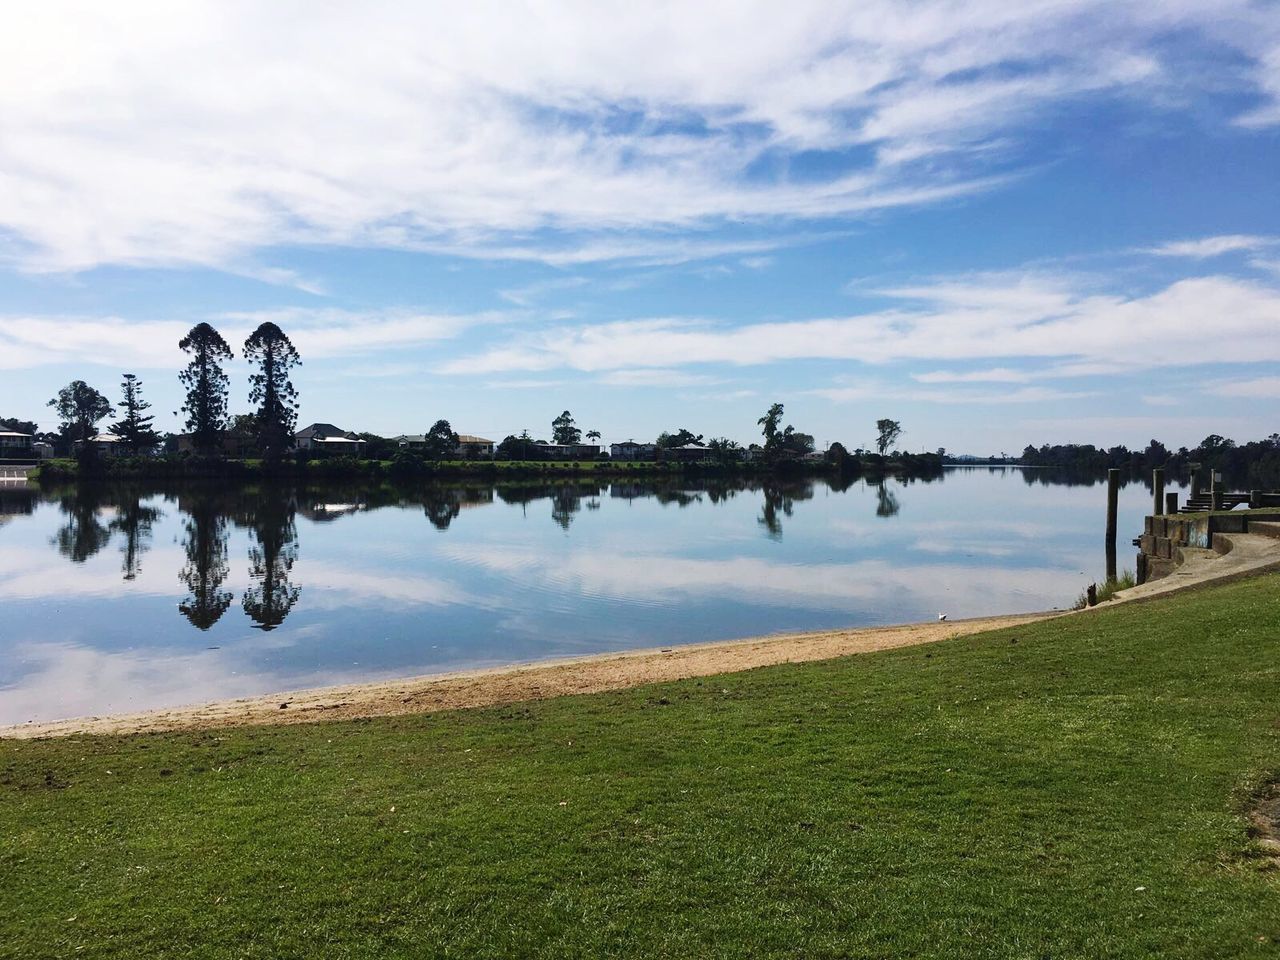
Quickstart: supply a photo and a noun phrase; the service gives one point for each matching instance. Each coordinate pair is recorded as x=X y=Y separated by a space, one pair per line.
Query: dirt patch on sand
x=537 y=681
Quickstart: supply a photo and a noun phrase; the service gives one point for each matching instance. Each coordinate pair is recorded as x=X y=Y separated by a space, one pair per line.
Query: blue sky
x=1054 y=223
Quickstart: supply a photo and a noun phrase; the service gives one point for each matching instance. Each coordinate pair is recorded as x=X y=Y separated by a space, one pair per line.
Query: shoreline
x=1247 y=556
x=537 y=680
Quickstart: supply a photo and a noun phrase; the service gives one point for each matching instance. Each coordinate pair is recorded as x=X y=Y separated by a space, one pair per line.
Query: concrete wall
x=1163 y=538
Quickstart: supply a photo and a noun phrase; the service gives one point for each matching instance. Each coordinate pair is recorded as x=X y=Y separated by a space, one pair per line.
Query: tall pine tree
x=134 y=428
x=272 y=391
x=206 y=383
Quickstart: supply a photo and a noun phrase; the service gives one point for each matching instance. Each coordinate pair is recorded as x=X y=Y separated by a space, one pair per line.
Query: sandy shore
x=483 y=688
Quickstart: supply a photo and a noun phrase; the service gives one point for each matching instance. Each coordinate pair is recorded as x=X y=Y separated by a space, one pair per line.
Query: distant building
x=106 y=444
x=630 y=450
x=567 y=451
x=236 y=443
x=327 y=440
x=470 y=447
x=690 y=452
x=15 y=446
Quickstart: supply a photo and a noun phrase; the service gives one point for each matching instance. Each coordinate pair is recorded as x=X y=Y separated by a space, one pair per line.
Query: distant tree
x=724 y=450
x=80 y=407
x=795 y=442
x=272 y=390
x=516 y=448
x=888 y=432
x=376 y=447
x=206 y=383
x=135 y=429
x=680 y=438
x=593 y=434
x=563 y=429
x=837 y=454
x=769 y=424
x=440 y=441
x=19 y=426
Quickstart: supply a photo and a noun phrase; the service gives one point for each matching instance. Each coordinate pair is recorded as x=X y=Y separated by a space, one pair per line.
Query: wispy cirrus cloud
x=1258 y=388
x=1063 y=319
x=205 y=134
x=1206 y=247
x=37 y=340
x=993 y=375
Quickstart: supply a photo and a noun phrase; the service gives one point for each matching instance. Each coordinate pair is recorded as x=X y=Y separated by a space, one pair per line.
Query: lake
x=117 y=599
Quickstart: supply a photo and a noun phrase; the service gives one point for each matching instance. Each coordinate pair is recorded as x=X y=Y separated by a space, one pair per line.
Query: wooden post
x=1255 y=499
x=1113 y=510
x=1195 y=480
x=1141 y=566
x=1157 y=491
x=1170 y=503
x=1215 y=492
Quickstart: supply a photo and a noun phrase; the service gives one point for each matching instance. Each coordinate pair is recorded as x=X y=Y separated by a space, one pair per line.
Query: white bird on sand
x=942 y=616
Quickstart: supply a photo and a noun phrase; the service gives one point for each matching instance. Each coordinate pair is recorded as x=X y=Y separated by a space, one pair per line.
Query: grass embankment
x=1072 y=788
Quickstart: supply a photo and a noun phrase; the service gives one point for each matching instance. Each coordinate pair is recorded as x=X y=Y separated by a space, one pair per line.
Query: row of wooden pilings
x=1162 y=504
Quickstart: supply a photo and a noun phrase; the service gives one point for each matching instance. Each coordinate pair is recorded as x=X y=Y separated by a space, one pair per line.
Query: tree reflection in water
x=205 y=544
x=134 y=522
x=84 y=534
x=270 y=595
x=779 y=498
x=886 y=501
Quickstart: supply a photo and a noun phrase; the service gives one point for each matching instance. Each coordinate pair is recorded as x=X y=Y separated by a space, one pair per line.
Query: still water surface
x=118 y=599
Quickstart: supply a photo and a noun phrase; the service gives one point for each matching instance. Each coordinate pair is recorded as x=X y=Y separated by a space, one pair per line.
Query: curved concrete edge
x=1235 y=556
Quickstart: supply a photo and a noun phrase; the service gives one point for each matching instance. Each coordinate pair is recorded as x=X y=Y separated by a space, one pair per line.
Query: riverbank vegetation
x=411 y=466
x=1253 y=465
x=1076 y=787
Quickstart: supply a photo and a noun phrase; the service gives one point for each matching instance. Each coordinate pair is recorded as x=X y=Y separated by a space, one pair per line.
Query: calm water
x=121 y=599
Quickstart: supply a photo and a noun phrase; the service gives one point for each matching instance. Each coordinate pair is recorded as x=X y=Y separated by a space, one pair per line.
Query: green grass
x=1107 y=590
x=1004 y=795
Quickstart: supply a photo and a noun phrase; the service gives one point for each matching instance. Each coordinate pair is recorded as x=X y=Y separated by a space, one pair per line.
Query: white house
x=328 y=440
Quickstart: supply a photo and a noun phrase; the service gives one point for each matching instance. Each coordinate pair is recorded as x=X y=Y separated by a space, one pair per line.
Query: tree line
x=80 y=407
x=1256 y=463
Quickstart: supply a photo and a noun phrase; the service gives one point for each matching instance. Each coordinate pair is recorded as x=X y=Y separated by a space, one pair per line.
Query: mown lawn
x=1070 y=789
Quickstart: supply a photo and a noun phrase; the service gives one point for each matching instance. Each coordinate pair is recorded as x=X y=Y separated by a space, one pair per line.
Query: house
x=237 y=443
x=566 y=451
x=42 y=450
x=327 y=440
x=106 y=445
x=470 y=447
x=630 y=450
x=15 y=446
x=690 y=452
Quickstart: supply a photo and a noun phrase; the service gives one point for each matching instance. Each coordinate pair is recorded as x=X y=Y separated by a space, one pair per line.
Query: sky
x=1047 y=222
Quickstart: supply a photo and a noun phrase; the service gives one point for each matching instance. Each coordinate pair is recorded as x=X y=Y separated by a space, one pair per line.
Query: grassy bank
x=1068 y=789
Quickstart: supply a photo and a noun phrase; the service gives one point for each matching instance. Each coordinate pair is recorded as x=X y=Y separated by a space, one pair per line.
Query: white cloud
x=1207 y=247
x=656 y=378
x=948 y=397
x=28 y=341
x=972 y=318
x=202 y=132
x=1160 y=400
x=993 y=375
x=1260 y=388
